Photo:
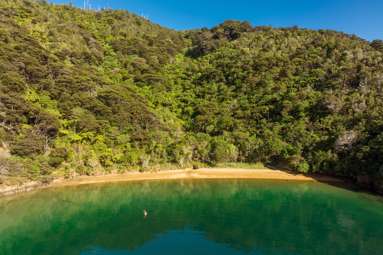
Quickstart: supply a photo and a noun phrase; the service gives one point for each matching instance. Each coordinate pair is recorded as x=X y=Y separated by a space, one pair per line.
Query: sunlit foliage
x=85 y=91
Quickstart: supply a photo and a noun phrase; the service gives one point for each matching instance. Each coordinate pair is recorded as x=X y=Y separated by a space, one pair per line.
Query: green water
x=192 y=217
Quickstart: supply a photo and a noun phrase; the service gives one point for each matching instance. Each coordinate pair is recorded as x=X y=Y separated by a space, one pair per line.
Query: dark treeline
x=91 y=91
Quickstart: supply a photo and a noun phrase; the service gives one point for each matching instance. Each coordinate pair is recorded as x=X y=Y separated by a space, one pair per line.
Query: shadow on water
x=203 y=217
x=335 y=181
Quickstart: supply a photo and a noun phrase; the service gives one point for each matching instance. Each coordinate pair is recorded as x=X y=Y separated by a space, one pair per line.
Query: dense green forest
x=87 y=92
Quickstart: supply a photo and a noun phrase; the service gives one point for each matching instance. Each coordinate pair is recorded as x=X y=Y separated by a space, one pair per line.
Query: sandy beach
x=205 y=173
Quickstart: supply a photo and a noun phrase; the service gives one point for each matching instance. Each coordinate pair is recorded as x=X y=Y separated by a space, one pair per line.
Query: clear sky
x=361 y=17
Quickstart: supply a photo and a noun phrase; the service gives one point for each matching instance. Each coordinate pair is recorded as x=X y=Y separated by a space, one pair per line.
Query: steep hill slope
x=85 y=91
x=68 y=85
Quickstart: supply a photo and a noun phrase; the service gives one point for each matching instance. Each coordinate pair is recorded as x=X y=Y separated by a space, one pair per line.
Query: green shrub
x=57 y=157
x=223 y=151
x=303 y=167
x=83 y=170
x=180 y=154
x=298 y=163
x=28 y=145
x=201 y=146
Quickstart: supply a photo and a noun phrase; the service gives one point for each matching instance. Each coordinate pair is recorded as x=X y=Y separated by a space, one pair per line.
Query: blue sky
x=361 y=17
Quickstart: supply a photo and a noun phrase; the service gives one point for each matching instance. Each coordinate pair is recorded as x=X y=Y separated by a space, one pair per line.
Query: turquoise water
x=192 y=217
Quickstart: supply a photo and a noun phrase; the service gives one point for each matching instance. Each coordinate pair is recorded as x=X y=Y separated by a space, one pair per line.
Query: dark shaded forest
x=86 y=92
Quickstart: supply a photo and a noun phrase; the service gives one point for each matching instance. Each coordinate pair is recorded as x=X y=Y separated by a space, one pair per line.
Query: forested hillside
x=86 y=92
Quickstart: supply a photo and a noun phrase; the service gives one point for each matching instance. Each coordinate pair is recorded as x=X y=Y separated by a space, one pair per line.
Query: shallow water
x=192 y=217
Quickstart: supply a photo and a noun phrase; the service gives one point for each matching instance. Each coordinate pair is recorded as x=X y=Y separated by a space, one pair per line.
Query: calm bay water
x=192 y=217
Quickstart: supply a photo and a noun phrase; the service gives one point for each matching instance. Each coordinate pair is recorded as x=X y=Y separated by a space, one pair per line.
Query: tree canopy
x=89 y=91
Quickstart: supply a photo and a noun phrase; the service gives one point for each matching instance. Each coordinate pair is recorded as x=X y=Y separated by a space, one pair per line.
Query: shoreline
x=204 y=173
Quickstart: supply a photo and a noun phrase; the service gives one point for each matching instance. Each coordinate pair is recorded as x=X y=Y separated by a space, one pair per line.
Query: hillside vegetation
x=87 y=92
